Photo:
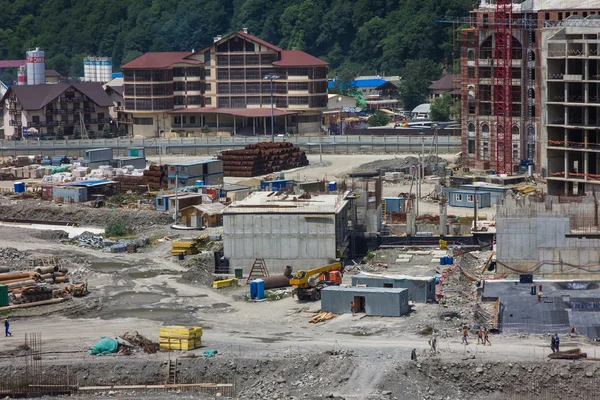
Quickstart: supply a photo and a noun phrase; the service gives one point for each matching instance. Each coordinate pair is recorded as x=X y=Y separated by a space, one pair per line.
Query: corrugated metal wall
x=419 y=291
x=384 y=303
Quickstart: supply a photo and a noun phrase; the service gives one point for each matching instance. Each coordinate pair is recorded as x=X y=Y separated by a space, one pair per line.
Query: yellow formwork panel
x=225 y=283
x=180 y=332
x=182 y=244
x=179 y=344
x=187 y=252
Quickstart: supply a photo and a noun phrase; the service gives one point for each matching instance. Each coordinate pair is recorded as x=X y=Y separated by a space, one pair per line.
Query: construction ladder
x=261 y=270
x=172 y=372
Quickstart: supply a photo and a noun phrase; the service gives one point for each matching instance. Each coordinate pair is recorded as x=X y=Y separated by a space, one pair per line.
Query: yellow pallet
x=179 y=244
x=180 y=332
x=187 y=252
x=225 y=283
x=179 y=344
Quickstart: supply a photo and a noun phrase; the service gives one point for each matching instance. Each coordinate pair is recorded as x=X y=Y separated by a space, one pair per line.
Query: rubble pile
x=87 y=239
x=262 y=158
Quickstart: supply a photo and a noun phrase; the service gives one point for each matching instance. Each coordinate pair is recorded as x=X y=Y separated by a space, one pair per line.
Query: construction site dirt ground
x=269 y=348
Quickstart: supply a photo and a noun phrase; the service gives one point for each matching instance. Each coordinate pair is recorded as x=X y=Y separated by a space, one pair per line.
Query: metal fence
x=210 y=145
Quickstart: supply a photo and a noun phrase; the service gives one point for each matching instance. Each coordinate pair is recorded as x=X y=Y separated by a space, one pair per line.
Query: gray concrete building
x=285 y=230
x=420 y=289
x=548 y=239
x=370 y=301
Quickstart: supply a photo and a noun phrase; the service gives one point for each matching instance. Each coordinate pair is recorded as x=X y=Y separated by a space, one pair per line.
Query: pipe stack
x=262 y=158
x=155 y=178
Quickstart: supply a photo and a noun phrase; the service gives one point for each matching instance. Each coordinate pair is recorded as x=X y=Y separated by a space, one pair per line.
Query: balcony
x=15 y=123
x=12 y=111
x=89 y=109
x=74 y=99
x=118 y=108
x=124 y=120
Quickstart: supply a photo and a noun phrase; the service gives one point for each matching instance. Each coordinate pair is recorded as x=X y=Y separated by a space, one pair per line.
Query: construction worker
x=553 y=344
x=352 y=309
x=539 y=297
x=486 y=336
x=433 y=343
x=6 y=327
x=465 y=335
x=479 y=335
x=556 y=342
x=413 y=355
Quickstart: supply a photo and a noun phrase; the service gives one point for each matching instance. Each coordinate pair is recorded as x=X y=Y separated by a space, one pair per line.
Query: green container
x=3 y=295
x=239 y=273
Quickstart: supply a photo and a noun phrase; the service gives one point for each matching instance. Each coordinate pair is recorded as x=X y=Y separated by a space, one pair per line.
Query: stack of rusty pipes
x=262 y=158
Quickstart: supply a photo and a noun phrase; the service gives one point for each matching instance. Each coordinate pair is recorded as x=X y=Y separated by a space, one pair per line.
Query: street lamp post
x=271 y=77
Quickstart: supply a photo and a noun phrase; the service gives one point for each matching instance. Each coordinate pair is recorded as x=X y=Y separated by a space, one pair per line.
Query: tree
x=416 y=78
x=378 y=119
x=76 y=133
x=90 y=132
x=106 y=132
x=443 y=108
x=60 y=134
x=122 y=130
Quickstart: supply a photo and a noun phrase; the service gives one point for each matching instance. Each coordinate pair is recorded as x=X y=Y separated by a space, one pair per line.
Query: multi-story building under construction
x=553 y=76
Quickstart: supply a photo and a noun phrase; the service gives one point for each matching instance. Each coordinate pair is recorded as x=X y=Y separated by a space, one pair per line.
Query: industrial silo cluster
x=97 y=69
x=34 y=71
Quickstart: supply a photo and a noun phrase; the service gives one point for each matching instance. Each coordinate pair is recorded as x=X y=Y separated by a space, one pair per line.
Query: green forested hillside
x=355 y=36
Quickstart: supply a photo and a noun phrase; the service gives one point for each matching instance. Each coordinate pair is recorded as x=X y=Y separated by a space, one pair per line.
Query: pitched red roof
x=297 y=58
x=160 y=60
x=254 y=39
x=34 y=97
x=446 y=83
x=12 y=63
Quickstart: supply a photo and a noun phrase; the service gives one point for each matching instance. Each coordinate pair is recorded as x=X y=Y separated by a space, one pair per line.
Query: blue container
x=253 y=290
x=332 y=186
x=260 y=289
x=493 y=172
x=19 y=187
x=275 y=189
x=442 y=260
x=199 y=183
x=450 y=260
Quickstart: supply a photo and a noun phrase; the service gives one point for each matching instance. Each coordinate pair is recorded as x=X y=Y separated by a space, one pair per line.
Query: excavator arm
x=301 y=278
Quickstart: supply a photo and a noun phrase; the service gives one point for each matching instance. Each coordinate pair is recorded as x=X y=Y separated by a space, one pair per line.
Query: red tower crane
x=503 y=86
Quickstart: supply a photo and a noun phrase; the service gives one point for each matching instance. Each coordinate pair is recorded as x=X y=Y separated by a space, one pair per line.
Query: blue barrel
x=332 y=186
x=19 y=187
x=450 y=260
x=253 y=290
x=275 y=189
x=442 y=260
x=493 y=172
x=260 y=289
x=199 y=183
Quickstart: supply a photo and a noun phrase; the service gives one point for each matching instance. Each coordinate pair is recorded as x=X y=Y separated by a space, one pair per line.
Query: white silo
x=98 y=69
x=87 y=68
x=36 y=67
x=22 y=75
x=107 y=67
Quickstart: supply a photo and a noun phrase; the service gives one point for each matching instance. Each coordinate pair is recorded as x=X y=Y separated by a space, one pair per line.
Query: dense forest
x=354 y=36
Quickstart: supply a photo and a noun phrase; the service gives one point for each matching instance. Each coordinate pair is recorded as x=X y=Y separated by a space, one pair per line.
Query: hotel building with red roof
x=223 y=86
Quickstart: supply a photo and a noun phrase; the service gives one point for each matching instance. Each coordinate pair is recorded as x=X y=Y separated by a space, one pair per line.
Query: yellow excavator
x=307 y=285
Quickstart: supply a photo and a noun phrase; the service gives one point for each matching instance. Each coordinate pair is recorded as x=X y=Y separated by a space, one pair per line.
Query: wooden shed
x=203 y=215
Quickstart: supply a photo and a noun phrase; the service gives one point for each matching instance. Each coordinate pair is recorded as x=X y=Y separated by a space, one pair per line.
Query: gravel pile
x=200 y=269
x=395 y=164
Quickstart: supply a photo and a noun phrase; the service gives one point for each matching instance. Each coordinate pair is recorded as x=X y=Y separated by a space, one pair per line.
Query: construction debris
x=262 y=158
x=140 y=341
x=574 y=354
x=321 y=317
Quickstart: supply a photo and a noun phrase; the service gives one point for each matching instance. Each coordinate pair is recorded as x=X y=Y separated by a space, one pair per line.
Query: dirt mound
x=395 y=164
x=83 y=215
x=13 y=258
x=53 y=235
x=201 y=268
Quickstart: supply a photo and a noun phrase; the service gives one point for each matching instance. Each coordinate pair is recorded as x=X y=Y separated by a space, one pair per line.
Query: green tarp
x=104 y=346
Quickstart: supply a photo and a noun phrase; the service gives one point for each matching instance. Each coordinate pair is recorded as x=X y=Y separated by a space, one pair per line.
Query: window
x=471 y=72
x=179 y=86
x=160 y=202
x=192 y=119
x=208 y=87
x=178 y=72
x=471 y=55
x=223 y=88
x=208 y=101
x=252 y=59
x=222 y=60
x=207 y=72
x=253 y=73
x=194 y=72
x=388 y=285
x=179 y=100
x=302 y=86
x=223 y=73
x=194 y=100
x=298 y=100
x=471 y=146
x=469 y=198
x=547 y=16
x=143 y=121
x=458 y=197
x=194 y=86
x=560 y=16
x=237 y=74
x=298 y=72
x=485 y=129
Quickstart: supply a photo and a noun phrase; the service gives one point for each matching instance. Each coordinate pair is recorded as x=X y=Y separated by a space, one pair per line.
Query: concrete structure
x=368 y=300
x=549 y=239
x=420 y=289
x=285 y=230
x=539 y=61
x=571 y=107
x=114 y=90
x=565 y=304
x=222 y=86
x=46 y=108
x=209 y=172
x=466 y=198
